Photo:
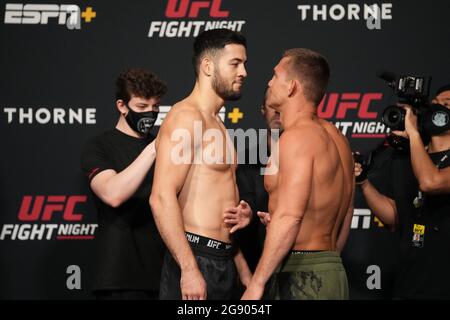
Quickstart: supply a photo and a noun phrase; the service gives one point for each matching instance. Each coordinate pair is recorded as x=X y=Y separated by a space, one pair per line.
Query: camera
x=432 y=119
x=413 y=90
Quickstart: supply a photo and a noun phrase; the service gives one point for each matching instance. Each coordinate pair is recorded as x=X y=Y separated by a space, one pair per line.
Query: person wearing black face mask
x=118 y=164
x=141 y=122
x=415 y=201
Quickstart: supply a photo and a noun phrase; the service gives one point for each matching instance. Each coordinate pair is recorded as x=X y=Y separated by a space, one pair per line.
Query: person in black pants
x=118 y=165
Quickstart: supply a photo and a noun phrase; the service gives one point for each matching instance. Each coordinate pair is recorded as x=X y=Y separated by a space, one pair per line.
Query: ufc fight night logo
x=181 y=12
x=191 y=9
x=36 y=211
x=363 y=107
x=32 y=14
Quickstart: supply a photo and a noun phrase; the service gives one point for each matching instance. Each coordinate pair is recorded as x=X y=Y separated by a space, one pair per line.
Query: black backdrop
x=57 y=90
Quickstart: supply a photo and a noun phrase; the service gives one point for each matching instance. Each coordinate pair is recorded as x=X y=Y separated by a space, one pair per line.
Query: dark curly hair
x=139 y=83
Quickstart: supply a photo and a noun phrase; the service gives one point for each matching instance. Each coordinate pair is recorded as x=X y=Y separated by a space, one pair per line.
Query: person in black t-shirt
x=118 y=164
x=415 y=201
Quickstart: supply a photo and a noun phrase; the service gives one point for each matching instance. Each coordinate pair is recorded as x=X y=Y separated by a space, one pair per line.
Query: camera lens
x=394 y=118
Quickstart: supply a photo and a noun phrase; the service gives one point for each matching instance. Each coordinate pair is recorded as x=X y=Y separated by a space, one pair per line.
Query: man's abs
x=206 y=194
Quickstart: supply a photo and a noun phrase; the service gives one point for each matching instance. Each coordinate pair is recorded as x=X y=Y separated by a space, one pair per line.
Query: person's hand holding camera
x=360 y=169
x=410 y=123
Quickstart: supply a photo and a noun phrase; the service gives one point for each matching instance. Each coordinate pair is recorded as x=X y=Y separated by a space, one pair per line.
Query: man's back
x=330 y=191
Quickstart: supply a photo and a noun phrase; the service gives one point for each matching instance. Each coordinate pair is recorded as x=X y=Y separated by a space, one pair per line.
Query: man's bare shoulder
x=302 y=137
x=331 y=128
x=335 y=133
x=341 y=142
x=183 y=114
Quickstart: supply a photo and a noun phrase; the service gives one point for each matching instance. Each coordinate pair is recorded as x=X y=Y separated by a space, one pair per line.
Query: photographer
x=415 y=201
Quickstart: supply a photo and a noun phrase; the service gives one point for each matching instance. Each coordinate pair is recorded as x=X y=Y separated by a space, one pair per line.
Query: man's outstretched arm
x=294 y=188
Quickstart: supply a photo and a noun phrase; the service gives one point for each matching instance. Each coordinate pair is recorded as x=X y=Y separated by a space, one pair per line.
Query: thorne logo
x=178 y=10
x=65 y=14
x=50 y=115
x=365 y=106
x=36 y=209
x=373 y=14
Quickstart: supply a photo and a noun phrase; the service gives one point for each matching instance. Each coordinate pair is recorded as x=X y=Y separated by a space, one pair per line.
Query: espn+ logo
x=32 y=14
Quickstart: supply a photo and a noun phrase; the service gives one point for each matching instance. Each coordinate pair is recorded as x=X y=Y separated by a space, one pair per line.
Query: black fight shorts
x=215 y=261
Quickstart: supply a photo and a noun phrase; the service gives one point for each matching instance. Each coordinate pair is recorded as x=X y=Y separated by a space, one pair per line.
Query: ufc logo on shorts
x=191 y=8
x=336 y=105
x=18 y=13
x=43 y=207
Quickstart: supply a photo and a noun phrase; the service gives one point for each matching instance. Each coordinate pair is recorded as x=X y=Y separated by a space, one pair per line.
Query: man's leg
x=170 y=279
x=220 y=276
x=311 y=276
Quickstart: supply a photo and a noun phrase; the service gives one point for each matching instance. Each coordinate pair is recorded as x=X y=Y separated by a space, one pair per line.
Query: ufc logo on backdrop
x=336 y=105
x=40 y=217
x=183 y=19
x=43 y=207
x=191 y=8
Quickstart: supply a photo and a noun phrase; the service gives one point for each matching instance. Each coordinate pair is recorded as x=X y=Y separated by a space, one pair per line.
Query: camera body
x=432 y=118
x=412 y=90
